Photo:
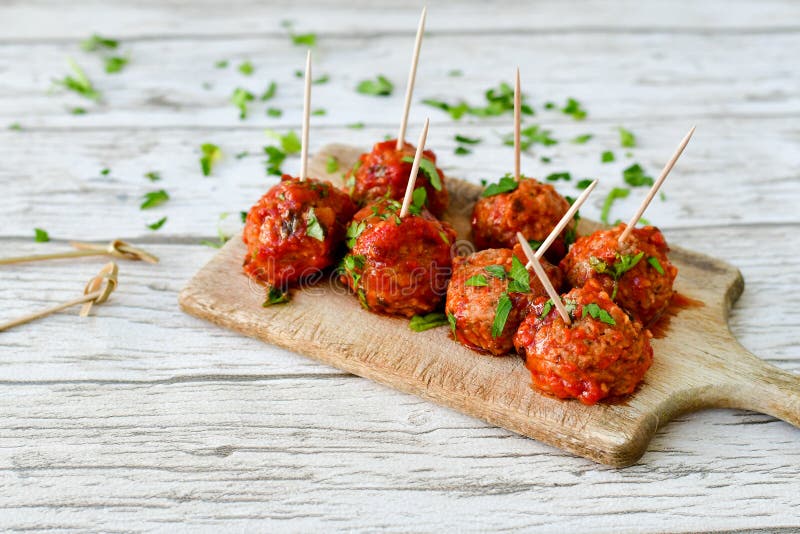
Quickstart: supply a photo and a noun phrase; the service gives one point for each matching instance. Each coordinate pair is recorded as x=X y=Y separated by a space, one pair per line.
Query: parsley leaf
x=274 y=112
x=221 y=64
x=476 y=281
x=462 y=151
x=210 y=155
x=153 y=176
x=332 y=165
x=380 y=86
x=17 y=127
x=41 y=236
x=467 y=140
x=520 y=277
x=153 y=199
x=290 y=142
x=275 y=157
x=354 y=230
x=548 y=306
x=581 y=139
x=501 y=315
x=429 y=168
x=499 y=100
x=574 y=109
x=626 y=138
x=607 y=157
x=636 y=177
x=655 y=264
x=240 y=98
x=556 y=176
x=613 y=195
x=418 y=199
x=319 y=112
x=420 y=323
x=356 y=126
x=452 y=320
x=275 y=295
x=529 y=136
x=115 y=64
x=304 y=39
x=583 y=184
x=506 y=184
x=96 y=42
x=79 y=83
x=246 y=68
x=269 y=92
x=596 y=312
x=498 y=271
x=313 y=227
x=158 y=224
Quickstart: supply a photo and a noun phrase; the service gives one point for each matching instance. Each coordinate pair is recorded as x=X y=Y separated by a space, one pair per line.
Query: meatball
x=398 y=266
x=294 y=230
x=384 y=173
x=479 y=282
x=532 y=208
x=637 y=274
x=603 y=353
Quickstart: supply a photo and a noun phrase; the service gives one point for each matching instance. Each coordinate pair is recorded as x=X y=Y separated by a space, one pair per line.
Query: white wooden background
x=141 y=417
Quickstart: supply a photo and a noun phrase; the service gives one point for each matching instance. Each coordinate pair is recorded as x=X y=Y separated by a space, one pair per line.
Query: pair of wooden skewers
x=98 y=289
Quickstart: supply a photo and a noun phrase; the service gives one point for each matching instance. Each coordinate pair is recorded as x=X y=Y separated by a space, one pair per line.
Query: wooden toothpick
x=517 y=121
x=548 y=286
x=412 y=178
x=563 y=222
x=96 y=291
x=306 y=115
x=117 y=249
x=412 y=75
x=653 y=190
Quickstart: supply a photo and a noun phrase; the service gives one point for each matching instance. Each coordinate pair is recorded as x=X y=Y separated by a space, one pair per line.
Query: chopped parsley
x=352 y=265
x=304 y=39
x=275 y=295
x=573 y=108
x=622 y=264
x=221 y=64
x=556 y=176
x=17 y=127
x=583 y=184
x=380 y=86
x=115 y=64
x=499 y=100
x=210 y=155
x=96 y=42
x=158 y=224
x=607 y=157
x=636 y=177
x=79 y=83
x=319 y=112
x=332 y=165
x=105 y=172
x=626 y=138
x=290 y=142
x=274 y=112
x=596 y=312
x=506 y=184
x=581 y=139
x=429 y=169
x=246 y=68
x=545 y=159
x=462 y=151
x=548 y=306
x=321 y=80
x=418 y=199
x=613 y=195
x=78 y=110
x=501 y=315
x=455 y=73
x=530 y=136
x=498 y=271
x=275 y=157
x=41 y=236
x=313 y=227
x=153 y=176
x=477 y=280
x=269 y=92
x=520 y=277
x=153 y=199
x=354 y=230
x=420 y=323
x=655 y=264
x=467 y=140
x=356 y=126
x=452 y=320
x=240 y=98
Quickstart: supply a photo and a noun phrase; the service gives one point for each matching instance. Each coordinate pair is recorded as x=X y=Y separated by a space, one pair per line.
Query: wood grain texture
x=697 y=365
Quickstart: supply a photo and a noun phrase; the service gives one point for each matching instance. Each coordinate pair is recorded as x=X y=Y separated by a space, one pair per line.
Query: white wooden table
x=141 y=417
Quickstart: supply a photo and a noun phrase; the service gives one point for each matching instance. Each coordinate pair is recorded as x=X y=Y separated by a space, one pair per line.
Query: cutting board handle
x=752 y=384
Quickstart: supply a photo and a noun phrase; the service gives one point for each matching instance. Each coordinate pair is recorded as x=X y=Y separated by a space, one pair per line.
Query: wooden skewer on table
x=653 y=190
x=116 y=249
x=542 y=276
x=412 y=75
x=412 y=178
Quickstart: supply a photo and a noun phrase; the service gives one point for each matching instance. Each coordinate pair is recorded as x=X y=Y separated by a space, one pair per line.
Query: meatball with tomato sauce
x=398 y=266
x=489 y=295
x=294 y=230
x=384 y=172
x=529 y=206
x=603 y=353
x=637 y=274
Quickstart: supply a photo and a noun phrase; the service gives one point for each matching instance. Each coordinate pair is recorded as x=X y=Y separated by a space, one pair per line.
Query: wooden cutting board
x=697 y=364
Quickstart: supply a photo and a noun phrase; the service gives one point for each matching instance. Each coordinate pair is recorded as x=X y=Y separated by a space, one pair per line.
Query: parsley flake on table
x=499 y=100
x=626 y=138
x=275 y=158
x=243 y=216
x=221 y=64
x=240 y=98
x=462 y=151
x=158 y=224
x=581 y=139
x=41 y=236
x=115 y=64
x=607 y=156
x=429 y=169
x=380 y=86
x=313 y=227
x=583 y=184
x=319 y=112
x=78 y=111
x=636 y=177
x=304 y=39
x=153 y=199
x=356 y=126
x=573 y=109
x=596 y=312
x=556 y=176
x=210 y=155
x=105 y=172
x=153 y=176
x=274 y=113
x=501 y=315
x=79 y=83
x=530 y=136
x=613 y=195
x=246 y=68
x=15 y=126
x=290 y=142
x=96 y=42
x=270 y=91
x=420 y=323
x=455 y=73
x=463 y=139
x=275 y=295
x=506 y=184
